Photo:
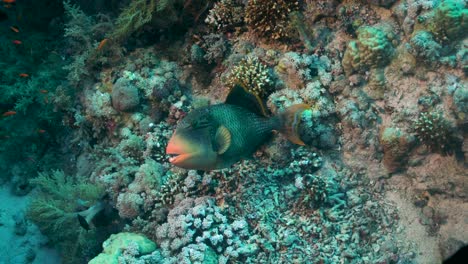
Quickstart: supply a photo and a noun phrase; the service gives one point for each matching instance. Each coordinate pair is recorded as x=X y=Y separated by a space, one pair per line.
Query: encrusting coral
x=119 y=245
x=396 y=146
x=372 y=49
x=449 y=20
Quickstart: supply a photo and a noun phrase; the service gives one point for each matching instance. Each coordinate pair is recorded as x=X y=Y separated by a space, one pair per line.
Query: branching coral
x=270 y=18
x=215 y=47
x=252 y=75
x=433 y=130
x=199 y=222
x=226 y=14
x=372 y=49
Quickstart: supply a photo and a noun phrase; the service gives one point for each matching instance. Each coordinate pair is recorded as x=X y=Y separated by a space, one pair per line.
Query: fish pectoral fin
x=222 y=140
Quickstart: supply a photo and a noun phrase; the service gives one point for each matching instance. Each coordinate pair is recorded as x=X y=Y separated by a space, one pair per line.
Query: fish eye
x=201 y=123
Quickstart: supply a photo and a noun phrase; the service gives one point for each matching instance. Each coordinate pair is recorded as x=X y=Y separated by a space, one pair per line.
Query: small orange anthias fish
x=23 y=75
x=9 y=1
x=17 y=42
x=102 y=43
x=9 y=113
x=14 y=29
x=43 y=91
x=217 y=136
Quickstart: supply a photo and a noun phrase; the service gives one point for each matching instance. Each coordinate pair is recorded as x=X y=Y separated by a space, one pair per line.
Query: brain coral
x=372 y=49
x=270 y=18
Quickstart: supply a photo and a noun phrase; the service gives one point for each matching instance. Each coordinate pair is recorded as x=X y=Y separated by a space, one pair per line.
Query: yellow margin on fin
x=223 y=139
x=245 y=91
x=291 y=119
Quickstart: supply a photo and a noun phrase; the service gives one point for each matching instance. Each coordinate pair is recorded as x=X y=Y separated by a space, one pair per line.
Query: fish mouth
x=178 y=149
x=177 y=157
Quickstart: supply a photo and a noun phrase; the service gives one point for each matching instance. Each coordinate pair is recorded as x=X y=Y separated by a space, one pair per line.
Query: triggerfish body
x=217 y=136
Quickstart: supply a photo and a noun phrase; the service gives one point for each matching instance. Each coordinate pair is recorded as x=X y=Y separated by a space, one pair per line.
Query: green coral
x=161 y=13
x=372 y=49
x=251 y=74
x=133 y=17
x=433 y=130
x=450 y=20
x=118 y=243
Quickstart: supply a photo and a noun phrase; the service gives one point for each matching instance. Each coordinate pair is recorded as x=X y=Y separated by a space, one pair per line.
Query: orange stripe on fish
x=9 y=113
x=23 y=75
x=102 y=43
x=14 y=29
x=17 y=42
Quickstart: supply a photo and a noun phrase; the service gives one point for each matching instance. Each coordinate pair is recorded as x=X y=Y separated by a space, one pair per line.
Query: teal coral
x=372 y=49
x=118 y=244
x=450 y=20
x=424 y=47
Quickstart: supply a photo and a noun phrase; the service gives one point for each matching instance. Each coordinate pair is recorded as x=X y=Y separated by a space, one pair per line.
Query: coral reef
x=449 y=21
x=226 y=14
x=55 y=209
x=424 y=47
x=269 y=19
x=118 y=246
x=251 y=74
x=396 y=147
x=372 y=49
x=433 y=130
x=93 y=90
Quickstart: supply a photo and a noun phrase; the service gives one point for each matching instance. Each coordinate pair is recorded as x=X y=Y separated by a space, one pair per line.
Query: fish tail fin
x=289 y=121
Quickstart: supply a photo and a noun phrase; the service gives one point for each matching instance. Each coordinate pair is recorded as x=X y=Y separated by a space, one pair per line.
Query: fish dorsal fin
x=222 y=140
x=240 y=96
